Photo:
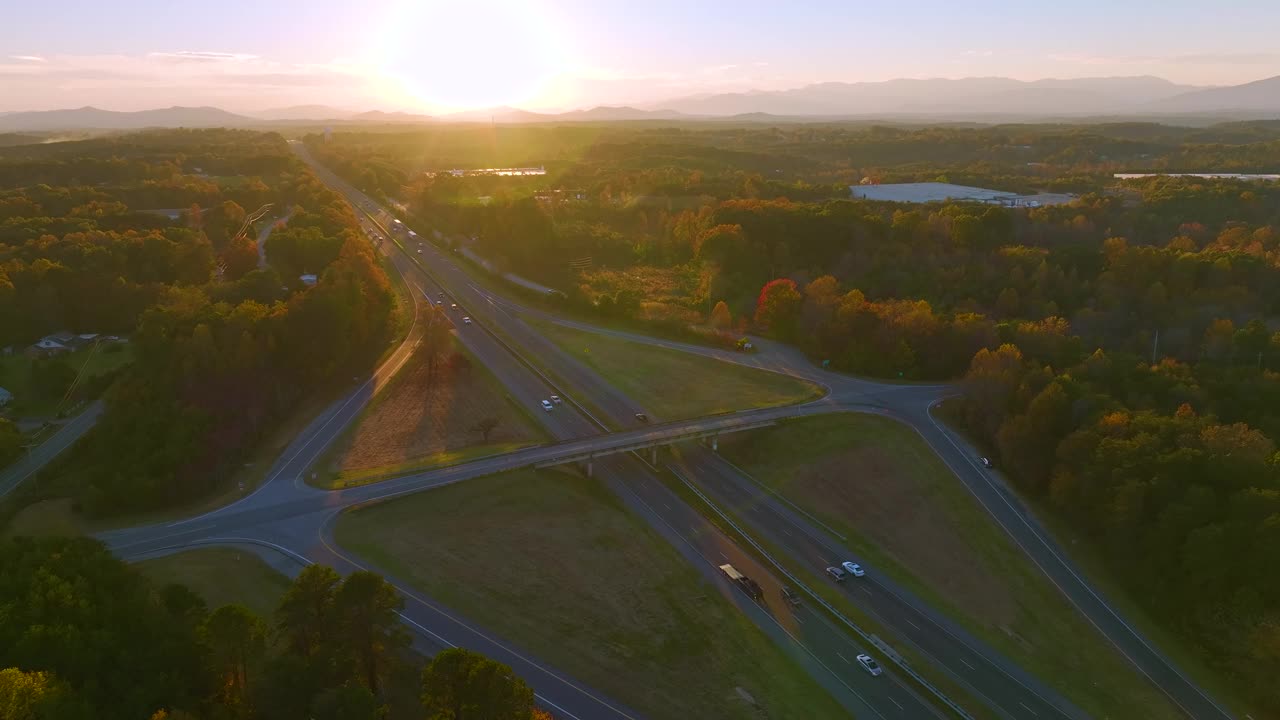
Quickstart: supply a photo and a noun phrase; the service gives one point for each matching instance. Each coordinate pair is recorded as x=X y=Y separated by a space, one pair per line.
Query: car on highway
x=546 y=405
x=790 y=597
x=853 y=568
x=440 y=303
x=556 y=399
x=453 y=306
x=986 y=461
x=871 y=666
x=642 y=417
x=466 y=320
x=836 y=573
x=419 y=251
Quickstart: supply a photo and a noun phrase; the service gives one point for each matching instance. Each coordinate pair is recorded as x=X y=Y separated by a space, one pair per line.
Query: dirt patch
x=420 y=417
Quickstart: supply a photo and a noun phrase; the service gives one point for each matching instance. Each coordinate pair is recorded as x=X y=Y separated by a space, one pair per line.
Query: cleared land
x=417 y=421
x=675 y=385
x=221 y=576
x=876 y=482
x=29 y=401
x=553 y=563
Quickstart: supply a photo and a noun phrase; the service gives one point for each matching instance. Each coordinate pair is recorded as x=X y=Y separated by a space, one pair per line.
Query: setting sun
x=446 y=55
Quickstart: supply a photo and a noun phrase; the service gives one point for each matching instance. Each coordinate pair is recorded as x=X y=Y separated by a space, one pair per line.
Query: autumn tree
x=721 y=318
x=778 y=307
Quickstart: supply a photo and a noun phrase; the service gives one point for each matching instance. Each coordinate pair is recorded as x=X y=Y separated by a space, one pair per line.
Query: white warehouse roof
x=929 y=192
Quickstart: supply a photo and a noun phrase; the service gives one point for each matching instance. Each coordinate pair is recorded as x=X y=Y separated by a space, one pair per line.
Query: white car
x=546 y=405
x=453 y=306
x=986 y=461
x=556 y=399
x=870 y=665
x=853 y=568
x=466 y=321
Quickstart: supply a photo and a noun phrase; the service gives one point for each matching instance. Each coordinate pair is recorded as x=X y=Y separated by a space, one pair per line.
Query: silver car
x=871 y=666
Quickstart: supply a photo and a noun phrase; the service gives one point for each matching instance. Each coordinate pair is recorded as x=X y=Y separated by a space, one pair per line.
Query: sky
x=439 y=56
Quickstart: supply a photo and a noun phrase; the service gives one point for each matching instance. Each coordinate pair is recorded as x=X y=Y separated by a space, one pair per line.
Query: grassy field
x=674 y=385
x=221 y=576
x=414 y=423
x=1085 y=555
x=15 y=376
x=877 y=483
x=552 y=562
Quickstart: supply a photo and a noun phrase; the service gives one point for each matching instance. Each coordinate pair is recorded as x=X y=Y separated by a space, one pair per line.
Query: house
x=5 y=397
x=46 y=347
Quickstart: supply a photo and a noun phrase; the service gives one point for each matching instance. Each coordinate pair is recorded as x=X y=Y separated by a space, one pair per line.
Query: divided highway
x=294 y=517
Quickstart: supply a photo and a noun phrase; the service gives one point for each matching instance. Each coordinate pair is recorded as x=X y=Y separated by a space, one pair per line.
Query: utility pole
x=1155 y=343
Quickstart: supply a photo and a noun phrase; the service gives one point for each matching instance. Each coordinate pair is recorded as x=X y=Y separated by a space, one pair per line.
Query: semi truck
x=749 y=586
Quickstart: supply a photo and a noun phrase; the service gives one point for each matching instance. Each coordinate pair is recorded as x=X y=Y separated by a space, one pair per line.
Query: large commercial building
x=928 y=192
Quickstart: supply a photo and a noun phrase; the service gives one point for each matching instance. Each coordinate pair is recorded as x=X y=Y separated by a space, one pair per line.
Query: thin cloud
x=1227 y=59
x=200 y=56
x=28 y=58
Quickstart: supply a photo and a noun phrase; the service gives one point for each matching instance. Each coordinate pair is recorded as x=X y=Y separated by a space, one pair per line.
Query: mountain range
x=987 y=98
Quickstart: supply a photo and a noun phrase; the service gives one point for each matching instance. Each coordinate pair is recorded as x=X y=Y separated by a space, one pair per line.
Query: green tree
x=32 y=696
x=10 y=442
x=305 y=617
x=368 y=613
x=236 y=639
x=459 y=684
x=347 y=702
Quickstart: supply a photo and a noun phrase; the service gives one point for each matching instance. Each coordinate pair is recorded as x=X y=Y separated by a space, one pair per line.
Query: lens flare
x=462 y=55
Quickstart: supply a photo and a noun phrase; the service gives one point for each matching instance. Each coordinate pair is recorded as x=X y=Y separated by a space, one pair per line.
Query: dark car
x=790 y=596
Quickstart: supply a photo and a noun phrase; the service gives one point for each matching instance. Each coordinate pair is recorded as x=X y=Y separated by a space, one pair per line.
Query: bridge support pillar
x=589 y=469
x=653 y=456
x=715 y=443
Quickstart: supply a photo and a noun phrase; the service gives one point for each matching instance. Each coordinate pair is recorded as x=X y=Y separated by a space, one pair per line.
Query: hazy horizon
x=555 y=55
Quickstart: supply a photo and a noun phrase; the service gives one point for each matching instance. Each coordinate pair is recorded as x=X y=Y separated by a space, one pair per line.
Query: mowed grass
x=674 y=385
x=552 y=562
x=878 y=483
x=15 y=376
x=221 y=576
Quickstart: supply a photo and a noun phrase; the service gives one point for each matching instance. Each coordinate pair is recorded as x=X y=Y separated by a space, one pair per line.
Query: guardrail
x=870 y=638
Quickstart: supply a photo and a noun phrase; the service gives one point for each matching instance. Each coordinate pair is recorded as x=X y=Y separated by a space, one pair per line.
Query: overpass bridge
x=585 y=452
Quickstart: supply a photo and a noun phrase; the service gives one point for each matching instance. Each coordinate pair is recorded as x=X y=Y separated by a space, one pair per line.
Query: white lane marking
x=966 y=664
x=868 y=592
x=895 y=702
x=842 y=657
x=1033 y=712
x=912 y=624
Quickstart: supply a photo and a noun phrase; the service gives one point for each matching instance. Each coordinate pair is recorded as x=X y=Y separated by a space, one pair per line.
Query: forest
x=1119 y=354
x=83 y=636
x=141 y=236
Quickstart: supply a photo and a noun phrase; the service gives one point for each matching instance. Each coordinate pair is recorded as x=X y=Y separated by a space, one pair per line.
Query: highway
x=296 y=515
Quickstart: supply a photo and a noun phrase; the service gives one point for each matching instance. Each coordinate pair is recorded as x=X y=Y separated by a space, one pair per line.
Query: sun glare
x=456 y=55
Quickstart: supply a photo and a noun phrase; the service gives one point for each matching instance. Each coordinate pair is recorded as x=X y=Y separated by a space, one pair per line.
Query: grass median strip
x=553 y=562
x=676 y=385
x=905 y=513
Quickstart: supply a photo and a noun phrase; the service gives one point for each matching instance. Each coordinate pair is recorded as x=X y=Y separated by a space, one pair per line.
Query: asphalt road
x=286 y=508
x=39 y=456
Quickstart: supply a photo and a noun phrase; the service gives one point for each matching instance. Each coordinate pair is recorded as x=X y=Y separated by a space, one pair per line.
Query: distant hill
x=607 y=113
x=378 y=116
x=1258 y=96
x=305 y=112
x=990 y=95
x=95 y=119
x=502 y=114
